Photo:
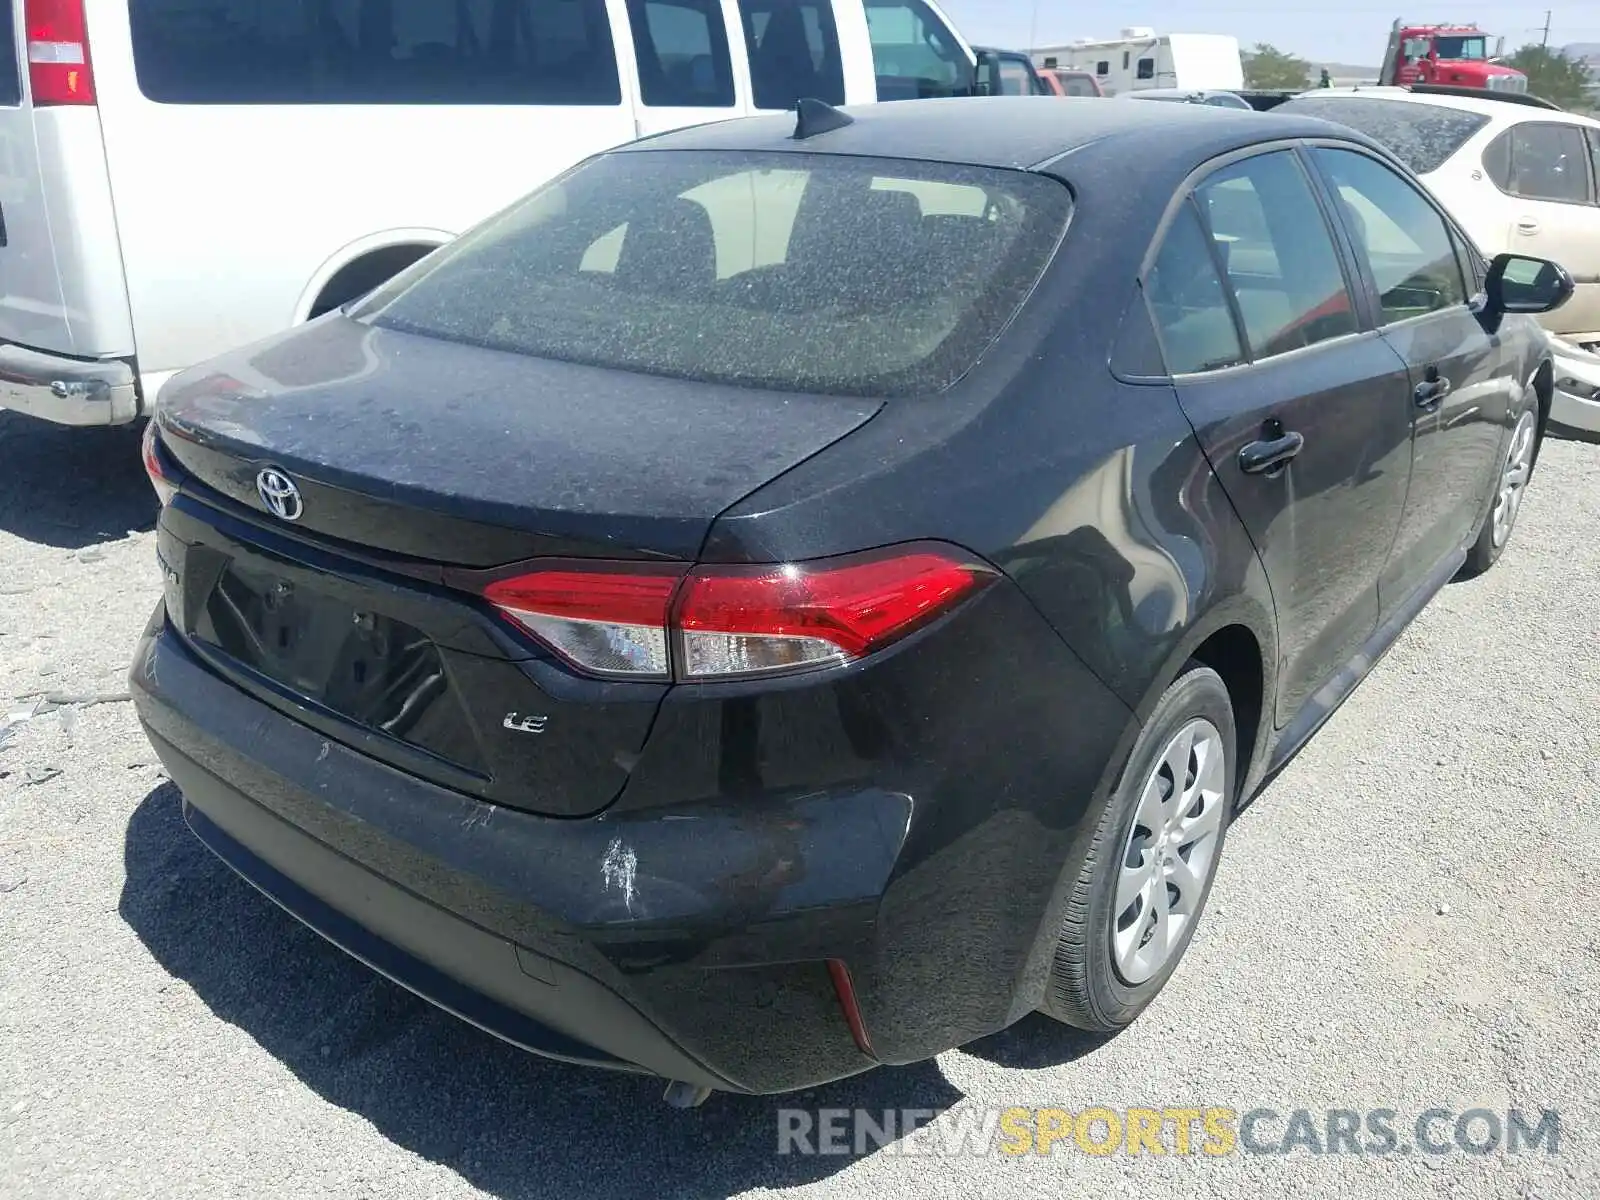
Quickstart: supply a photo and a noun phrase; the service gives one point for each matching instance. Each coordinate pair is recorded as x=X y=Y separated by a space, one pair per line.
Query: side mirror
x=1519 y=284
x=986 y=75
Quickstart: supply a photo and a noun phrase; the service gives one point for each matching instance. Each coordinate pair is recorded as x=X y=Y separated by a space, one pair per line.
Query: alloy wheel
x=1514 y=478
x=1170 y=853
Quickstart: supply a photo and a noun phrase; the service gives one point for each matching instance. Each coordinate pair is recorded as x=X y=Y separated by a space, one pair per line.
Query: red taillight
x=611 y=623
x=755 y=620
x=150 y=451
x=59 y=70
x=736 y=622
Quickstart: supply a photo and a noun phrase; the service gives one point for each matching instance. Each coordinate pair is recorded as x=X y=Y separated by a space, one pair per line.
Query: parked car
x=342 y=142
x=1214 y=97
x=1520 y=174
x=677 y=630
x=1072 y=83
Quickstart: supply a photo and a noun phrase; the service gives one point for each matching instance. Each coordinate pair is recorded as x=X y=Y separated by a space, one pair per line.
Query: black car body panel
x=765 y=883
x=465 y=456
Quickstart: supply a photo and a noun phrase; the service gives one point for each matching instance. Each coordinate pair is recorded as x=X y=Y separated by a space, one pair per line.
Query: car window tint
x=1278 y=254
x=913 y=53
x=1405 y=242
x=1549 y=162
x=794 y=52
x=10 y=70
x=682 y=50
x=360 y=52
x=1186 y=297
x=1423 y=136
x=734 y=267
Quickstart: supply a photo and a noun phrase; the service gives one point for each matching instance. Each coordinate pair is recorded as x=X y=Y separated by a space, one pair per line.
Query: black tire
x=1086 y=988
x=1491 y=541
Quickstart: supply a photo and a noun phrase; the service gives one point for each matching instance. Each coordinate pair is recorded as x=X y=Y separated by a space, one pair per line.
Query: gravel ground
x=1403 y=921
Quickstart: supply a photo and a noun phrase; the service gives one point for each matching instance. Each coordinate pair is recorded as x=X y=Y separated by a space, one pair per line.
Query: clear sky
x=1344 y=31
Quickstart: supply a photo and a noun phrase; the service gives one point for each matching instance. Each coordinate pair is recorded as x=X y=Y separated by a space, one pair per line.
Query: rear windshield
x=1423 y=136
x=796 y=272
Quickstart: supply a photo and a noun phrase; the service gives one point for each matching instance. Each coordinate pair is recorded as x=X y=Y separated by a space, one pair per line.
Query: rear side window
x=1423 y=136
x=913 y=53
x=1147 y=68
x=801 y=273
x=1540 y=160
x=1189 y=302
x=1277 y=253
x=682 y=48
x=794 y=52
x=375 y=51
x=10 y=71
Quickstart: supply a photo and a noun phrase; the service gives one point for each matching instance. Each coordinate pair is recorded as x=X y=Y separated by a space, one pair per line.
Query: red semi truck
x=1453 y=55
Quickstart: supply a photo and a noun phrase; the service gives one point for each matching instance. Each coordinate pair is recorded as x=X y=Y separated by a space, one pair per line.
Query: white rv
x=1142 y=58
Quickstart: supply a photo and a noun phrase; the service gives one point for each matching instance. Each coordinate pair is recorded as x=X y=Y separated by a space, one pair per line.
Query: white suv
x=1522 y=176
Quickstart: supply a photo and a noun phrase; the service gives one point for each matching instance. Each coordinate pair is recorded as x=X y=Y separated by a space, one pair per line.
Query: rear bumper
x=67 y=391
x=516 y=995
x=623 y=943
x=695 y=930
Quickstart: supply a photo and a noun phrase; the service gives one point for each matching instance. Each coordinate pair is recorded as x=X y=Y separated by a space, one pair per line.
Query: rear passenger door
x=1300 y=406
x=1463 y=381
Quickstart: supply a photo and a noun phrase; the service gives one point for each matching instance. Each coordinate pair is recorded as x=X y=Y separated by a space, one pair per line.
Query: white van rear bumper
x=68 y=391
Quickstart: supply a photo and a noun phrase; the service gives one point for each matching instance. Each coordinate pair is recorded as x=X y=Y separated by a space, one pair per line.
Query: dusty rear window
x=1423 y=136
x=788 y=271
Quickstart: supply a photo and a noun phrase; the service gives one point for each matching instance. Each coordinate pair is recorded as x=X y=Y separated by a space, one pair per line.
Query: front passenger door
x=1463 y=383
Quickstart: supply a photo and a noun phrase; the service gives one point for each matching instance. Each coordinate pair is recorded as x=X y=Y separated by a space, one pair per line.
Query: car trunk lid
x=473 y=457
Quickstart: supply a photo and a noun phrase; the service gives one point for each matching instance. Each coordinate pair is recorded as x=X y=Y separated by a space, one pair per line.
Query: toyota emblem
x=279 y=494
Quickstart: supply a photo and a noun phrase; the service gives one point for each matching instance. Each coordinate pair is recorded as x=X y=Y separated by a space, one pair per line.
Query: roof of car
x=1503 y=111
x=1173 y=92
x=1019 y=132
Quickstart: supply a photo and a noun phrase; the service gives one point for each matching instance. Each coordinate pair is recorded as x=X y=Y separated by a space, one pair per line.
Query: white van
x=179 y=177
x=1142 y=58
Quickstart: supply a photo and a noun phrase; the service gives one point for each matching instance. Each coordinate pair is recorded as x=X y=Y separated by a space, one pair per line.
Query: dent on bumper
x=67 y=391
x=672 y=941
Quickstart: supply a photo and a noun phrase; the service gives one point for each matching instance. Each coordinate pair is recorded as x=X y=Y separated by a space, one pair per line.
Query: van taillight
x=59 y=70
x=624 y=621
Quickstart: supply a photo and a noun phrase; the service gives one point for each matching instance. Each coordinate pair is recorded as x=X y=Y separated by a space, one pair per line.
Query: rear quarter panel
x=1092 y=493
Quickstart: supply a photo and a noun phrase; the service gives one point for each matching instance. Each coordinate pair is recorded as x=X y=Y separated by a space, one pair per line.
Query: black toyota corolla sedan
x=795 y=595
